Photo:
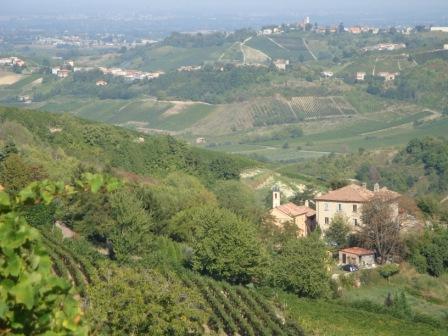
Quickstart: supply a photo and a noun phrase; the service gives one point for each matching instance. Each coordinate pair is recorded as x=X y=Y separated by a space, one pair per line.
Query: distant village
x=63 y=71
x=307 y=25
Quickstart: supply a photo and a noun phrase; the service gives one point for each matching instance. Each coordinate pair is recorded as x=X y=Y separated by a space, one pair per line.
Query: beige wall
x=361 y=261
x=282 y=218
x=346 y=210
x=328 y=210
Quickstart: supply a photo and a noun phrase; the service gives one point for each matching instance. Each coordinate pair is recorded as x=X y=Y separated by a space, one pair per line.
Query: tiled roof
x=294 y=210
x=350 y=193
x=359 y=251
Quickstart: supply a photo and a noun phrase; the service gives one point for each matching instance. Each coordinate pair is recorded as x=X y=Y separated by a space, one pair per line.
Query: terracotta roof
x=350 y=193
x=359 y=251
x=384 y=192
x=294 y=210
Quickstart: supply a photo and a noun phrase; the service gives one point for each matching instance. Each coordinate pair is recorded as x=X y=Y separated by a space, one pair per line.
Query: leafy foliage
x=300 y=267
x=144 y=302
x=337 y=233
x=224 y=246
x=33 y=300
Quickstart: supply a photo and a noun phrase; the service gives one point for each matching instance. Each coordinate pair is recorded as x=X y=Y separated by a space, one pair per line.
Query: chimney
x=307 y=203
x=364 y=185
x=275 y=197
x=376 y=187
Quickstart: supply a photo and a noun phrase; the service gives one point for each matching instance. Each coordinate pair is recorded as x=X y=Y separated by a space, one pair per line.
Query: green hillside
x=168 y=240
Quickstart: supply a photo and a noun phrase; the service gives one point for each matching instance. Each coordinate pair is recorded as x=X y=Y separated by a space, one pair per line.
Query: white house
x=439 y=29
x=360 y=76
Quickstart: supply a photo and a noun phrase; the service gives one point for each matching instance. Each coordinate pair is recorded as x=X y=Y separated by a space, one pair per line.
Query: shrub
x=369 y=276
x=389 y=270
x=347 y=280
x=419 y=262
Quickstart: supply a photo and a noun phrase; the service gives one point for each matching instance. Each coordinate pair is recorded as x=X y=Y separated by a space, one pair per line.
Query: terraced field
x=279 y=111
x=281 y=47
x=236 y=309
x=169 y=58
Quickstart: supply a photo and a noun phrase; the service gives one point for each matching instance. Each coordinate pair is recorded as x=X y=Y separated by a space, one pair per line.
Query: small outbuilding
x=361 y=257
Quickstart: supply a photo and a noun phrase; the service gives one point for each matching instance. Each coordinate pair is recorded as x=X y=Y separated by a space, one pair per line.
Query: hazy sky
x=325 y=11
x=260 y=6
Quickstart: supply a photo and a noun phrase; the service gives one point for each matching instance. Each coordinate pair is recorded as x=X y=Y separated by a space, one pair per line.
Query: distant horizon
x=134 y=16
x=352 y=11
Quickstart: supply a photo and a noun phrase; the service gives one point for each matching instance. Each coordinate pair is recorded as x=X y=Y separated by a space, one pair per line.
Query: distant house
x=12 y=61
x=359 y=256
x=303 y=217
x=355 y=30
x=360 y=76
x=281 y=64
x=439 y=29
x=327 y=74
x=25 y=99
x=267 y=31
x=200 y=141
x=101 y=83
x=348 y=201
x=189 y=68
x=5 y=61
x=63 y=73
x=388 y=76
x=445 y=46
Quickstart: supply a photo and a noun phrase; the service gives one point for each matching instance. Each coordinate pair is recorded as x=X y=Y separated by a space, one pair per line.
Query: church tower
x=275 y=197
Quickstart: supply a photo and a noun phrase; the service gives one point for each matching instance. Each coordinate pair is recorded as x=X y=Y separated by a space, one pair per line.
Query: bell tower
x=275 y=197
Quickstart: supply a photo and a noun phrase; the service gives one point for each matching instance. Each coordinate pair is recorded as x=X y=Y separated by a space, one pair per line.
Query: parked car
x=350 y=268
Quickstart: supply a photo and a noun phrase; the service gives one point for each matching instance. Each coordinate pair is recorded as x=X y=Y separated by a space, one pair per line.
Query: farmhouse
x=327 y=74
x=303 y=217
x=355 y=30
x=63 y=73
x=348 y=201
x=281 y=64
x=360 y=76
x=388 y=76
x=439 y=29
x=101 y=83
x=12 y=61
x=358 y=256
x=189 y=68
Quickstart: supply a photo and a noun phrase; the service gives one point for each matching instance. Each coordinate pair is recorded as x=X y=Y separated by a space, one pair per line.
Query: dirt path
x=223 y=54
x=309 y=50
x=374 y=67
x=434 y=115
x=242 y=44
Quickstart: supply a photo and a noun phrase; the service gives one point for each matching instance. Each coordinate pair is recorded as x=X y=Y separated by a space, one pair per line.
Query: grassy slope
x=101 y=145
x=168 y=58
x=321 y=318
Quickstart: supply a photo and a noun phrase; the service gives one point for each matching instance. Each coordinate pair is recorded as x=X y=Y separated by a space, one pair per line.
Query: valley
x=286 y=180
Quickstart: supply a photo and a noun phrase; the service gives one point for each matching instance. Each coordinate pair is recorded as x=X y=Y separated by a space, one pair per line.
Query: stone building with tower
x=302 y=216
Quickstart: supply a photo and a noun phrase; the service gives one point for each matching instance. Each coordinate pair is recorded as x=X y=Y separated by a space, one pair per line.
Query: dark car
x=350 y=268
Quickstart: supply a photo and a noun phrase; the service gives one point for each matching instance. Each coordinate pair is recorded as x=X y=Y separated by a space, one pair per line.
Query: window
x=275 y=195
x=327 y=220
x=355 y=207
x=344 y=258
x=340 y=207
x=355 y=222
x=326 y=206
